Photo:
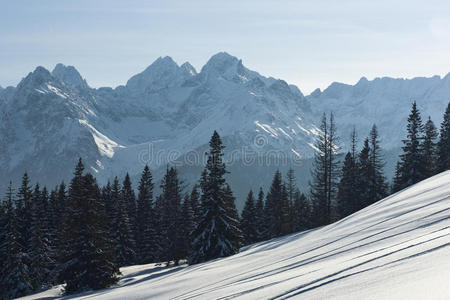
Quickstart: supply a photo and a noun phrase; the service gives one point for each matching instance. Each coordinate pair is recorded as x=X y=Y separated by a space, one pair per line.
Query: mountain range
x=167 y=113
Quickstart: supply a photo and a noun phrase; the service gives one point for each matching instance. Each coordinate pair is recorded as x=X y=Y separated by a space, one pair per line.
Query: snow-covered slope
x=398 y=248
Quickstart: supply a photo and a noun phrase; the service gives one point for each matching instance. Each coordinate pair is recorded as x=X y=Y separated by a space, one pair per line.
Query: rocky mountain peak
x=69 y=76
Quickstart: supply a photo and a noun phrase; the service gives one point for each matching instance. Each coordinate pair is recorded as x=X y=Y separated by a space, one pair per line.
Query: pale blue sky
x=307 y=43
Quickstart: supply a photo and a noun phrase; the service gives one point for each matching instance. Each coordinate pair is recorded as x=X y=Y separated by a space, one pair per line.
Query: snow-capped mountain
x=166 y=114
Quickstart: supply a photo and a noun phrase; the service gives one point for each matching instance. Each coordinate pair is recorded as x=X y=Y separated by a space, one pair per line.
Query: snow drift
x=397 y=248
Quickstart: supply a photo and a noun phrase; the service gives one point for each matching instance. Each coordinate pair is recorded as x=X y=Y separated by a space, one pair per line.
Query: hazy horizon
x=309 y=45
x=50 y=68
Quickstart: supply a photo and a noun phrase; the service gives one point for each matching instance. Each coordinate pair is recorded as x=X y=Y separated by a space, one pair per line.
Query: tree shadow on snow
x=126 y=280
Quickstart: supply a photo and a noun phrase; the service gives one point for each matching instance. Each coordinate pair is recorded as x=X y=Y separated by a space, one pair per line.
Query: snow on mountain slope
x=40 y=129
x=397 y=248
x=171 y=110
x=168 y=112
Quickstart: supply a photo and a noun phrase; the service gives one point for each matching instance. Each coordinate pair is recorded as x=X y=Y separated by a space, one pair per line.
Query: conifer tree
x=319 y=185
x=129 y=197
x=325 y=173
x=113 y=214
x=249 y=220
x=108 y=202
x=291 y=190
x=272 y=209
x=260 y=218
x=364 y=175
x=61 y=213
x=188 y=225
x=195 y=203
x=429 y=148
x=3 y=236
x=444 y=142
x=172 y=234
x=284 y=210
x=397 y=180
x=411 y=160
x=122 y=235
x=88 y=261
x=354 y=141
x=348 y=196
x=146 y=235
x=211 y=237
x=291 y=186
x=40 y=252
x=377 y=182
x=235 y=232
x=15 y=280
x=301 y=211
x=23 y=207
x=277 y=208
x=347 y=192
x=158 y=228
x=54 y=234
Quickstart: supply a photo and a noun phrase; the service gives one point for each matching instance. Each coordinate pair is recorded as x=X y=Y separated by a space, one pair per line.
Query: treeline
x=340 y=188
x=425 y=152
x=82 y=234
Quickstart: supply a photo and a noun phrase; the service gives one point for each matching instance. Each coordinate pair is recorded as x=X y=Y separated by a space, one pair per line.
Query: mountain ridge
x=168 y=111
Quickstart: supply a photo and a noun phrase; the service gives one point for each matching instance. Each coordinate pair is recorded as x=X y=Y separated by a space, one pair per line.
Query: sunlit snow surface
x=397 y=248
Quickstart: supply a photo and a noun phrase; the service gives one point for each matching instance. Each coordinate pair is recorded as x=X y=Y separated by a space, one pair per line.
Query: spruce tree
x=260 y=217
x=23 y=207
x=348 y=196
x=112 y=211
x=323 y=188
x=444 y=142
x=291 y=190
x=249 y=220
x=291 y=186
x=235 y=232
x=333 y=169
x=347 y=192
x=277 y=208
x=3 y=236
x=129 y=197
x=195 y=203
x=378 y=187
x=108 y=202
x=60 y=220
x=40 y=252
x=273 y=209
x=172 y=233
x=301 y=211
x=123 y=234
x=146 y=236
x=364 y=175
x=397 y=180
x=411 y=160
x=188 y=224
x=15 y=280
x=158 y=229
x=429 y=148
x=211 y=237
x=89 y=253
x=54 y=222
